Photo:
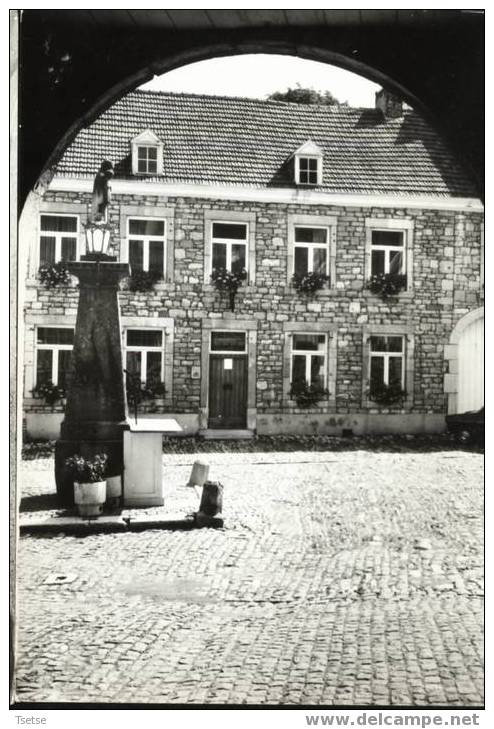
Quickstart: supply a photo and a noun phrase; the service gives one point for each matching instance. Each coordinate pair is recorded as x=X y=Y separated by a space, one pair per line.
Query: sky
x=257 y=75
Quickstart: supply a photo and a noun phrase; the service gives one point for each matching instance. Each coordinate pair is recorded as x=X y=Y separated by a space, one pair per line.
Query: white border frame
x=143 y=349
x=398 y=225
x=145 y=241
x=309 y=353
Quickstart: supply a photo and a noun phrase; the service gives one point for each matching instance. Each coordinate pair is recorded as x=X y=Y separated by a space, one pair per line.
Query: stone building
x=206 y=183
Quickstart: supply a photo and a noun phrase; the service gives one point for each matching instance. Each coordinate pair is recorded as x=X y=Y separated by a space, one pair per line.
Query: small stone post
x=199 y=475
x=211 y=506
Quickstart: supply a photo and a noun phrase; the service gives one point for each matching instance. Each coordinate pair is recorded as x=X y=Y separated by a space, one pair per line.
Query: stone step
x=217 y=434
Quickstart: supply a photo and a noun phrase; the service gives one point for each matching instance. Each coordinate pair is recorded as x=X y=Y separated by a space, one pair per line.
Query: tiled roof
x=223 y=140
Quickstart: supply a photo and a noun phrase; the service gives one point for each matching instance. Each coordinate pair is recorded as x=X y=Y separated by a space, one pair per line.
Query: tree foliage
x=301 y=95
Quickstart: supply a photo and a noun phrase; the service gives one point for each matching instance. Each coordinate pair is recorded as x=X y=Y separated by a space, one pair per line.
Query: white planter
x=113 y=487
x=90 y=497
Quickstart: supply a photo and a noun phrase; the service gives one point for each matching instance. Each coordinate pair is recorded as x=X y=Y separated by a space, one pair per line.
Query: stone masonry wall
x=446 y=285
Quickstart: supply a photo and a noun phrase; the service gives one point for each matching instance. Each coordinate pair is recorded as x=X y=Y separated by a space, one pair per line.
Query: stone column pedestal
x=95 y=414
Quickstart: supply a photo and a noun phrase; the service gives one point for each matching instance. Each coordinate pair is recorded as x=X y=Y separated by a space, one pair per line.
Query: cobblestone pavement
x=341 y=578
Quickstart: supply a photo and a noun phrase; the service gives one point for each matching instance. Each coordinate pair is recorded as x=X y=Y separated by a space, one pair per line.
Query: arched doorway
x=464 y=383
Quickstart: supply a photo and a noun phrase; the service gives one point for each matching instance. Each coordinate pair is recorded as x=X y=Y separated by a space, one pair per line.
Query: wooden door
x=227 y=390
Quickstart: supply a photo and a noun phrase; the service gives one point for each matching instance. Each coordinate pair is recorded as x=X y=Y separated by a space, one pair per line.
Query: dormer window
x=147 y=154
x=308 y=170
x=147 y=160
x=308 y=164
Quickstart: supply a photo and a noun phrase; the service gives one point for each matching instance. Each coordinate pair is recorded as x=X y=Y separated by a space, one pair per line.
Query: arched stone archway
x=464 y=381
x=75 y=64
x=211 y=51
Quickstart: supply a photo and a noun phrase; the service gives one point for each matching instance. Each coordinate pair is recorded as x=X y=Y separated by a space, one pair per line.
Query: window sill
x=402 y=296
x=158 y=286
x=140 y=175
x=35 y=283
x=388 y=409
x=324 y=293
x=321 y=405
x=249 y=288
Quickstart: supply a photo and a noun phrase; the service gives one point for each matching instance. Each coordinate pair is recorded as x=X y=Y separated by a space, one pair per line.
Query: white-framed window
x=53 y=350
x=311 y=250
x=388 y=251
x=147 y=154
x=308 y=164
x=308 y=359
x=229 y=245
x=147 y=160
x=58 y=237
x=228 y=341
x=147 y=244
x=387 y=361
x=144 y=349
x=308 y=170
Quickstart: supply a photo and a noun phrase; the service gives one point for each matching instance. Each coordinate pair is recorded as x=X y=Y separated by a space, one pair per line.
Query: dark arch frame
x=208 y=52
x=437 y=66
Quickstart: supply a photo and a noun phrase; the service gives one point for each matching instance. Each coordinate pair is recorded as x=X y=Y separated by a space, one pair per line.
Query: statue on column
x=102 y=192
x=96 y=408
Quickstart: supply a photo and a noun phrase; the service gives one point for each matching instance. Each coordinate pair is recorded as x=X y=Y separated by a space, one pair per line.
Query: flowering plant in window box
x=309 y=283
x=387 y=284
x=307 y=395
x=142 y=280
x=228 y=282
x=392 y=394
x=137 y=391
x=54 y=274
x=49 y=392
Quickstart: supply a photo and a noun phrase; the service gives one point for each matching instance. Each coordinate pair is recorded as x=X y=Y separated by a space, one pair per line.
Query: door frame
x=249 y=326
x=228 y=413
x=451 y=379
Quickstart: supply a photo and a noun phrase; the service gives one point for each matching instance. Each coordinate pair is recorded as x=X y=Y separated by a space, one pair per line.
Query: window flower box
x=142 y=281
x=387 y=285
x=152 y=392
x=49 y=392
x=309 y=283
x=307 y=396
x=228 y=283
x=388 y=395
x=52 y=275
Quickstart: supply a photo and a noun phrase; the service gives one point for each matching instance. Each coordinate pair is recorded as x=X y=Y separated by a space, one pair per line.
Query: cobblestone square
x=341 y=578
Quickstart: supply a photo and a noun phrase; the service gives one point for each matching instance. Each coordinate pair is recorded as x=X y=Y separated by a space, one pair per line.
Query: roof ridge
x=270 y=102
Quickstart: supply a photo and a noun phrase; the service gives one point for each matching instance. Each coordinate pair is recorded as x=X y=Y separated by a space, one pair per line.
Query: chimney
x=390 y=105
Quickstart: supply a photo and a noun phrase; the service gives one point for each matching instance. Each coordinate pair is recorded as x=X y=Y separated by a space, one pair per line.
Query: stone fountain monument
x=95 y=413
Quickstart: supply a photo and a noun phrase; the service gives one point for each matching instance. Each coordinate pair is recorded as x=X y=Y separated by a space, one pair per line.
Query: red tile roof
x=248 y=142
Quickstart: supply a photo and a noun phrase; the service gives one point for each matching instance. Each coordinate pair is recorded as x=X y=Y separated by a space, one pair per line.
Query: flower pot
x=90 y=498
